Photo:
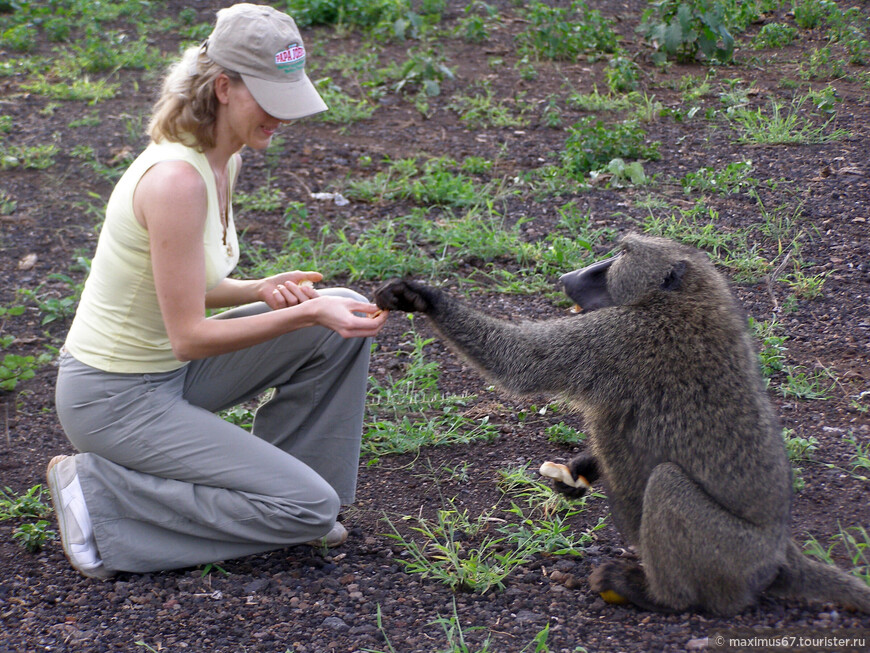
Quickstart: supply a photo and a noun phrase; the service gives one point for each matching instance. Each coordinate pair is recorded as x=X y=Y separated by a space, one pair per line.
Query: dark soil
x=304 y=601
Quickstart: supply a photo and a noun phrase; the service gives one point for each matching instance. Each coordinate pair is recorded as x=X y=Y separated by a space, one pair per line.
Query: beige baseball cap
x=264 y=46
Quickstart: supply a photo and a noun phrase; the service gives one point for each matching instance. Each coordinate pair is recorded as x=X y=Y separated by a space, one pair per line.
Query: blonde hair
x=187 y=107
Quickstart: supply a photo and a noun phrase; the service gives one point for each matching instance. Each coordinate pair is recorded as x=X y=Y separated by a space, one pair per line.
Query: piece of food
x=563 y=474
x=306 y=283
x=376 y=313
x=610 y=596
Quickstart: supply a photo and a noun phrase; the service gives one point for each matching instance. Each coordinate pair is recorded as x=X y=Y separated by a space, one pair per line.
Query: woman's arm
x=171 y=202
x=278 y=291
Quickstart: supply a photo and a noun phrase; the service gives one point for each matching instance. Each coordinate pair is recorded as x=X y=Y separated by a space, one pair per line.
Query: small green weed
x=771 y=355
x=7 y=203
x=210 y=567
x=457 y=639
x=264 y=199
x=595 y=102
x=447 y=556
x=481 y=110
x=409 y=413
x=30 y=535
x=856 y=544
x=798 y=450
x=733 y=178
x=803 y=384
x=592 y=144
x=861 y=458
x=534 y=492
x=774 y=35
x=80 y=89
x=33 y=536
x=564 y=33
x=561 y=433
x=803 y=285
x=622 y=74
x=550 y=534
x=29 y=504
x=240 y=416
x=343 y=108
x=778 y=124
x=38 y=157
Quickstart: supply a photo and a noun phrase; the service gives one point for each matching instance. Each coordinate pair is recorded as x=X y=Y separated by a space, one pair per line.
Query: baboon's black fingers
x=399 y=295
x=568 y=491
x=586 y=466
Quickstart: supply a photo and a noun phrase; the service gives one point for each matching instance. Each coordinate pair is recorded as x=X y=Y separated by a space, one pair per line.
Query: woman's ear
x=222 y=88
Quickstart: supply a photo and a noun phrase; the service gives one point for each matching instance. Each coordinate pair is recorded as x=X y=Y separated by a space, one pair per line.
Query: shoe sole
x=101 y=573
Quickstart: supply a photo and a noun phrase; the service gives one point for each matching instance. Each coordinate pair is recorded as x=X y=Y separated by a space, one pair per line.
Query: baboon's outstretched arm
x=518 y=357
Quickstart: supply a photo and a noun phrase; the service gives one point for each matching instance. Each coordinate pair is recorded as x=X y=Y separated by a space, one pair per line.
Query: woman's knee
x=315 y=510
x=344 y=292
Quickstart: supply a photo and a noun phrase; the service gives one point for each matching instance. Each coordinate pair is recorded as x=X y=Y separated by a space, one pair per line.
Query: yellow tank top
x=118 y=326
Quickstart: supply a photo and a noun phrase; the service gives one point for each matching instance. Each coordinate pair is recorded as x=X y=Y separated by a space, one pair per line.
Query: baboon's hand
x=568 y=490
x=405 y=295
x=584 y=466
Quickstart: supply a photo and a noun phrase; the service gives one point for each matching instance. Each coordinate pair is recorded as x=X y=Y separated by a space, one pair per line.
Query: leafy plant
x=33 y=536
x=481 y=110
x=771 y=355
x=29 y=504
x=550 y=534
x=774 y=35
x=37 y=157
x=16 y=369
x=343 y=108
x=561 y=433
x=733 y=178
x=688 y=29
x=592 y=144
x=565 y=32
x=622 y=74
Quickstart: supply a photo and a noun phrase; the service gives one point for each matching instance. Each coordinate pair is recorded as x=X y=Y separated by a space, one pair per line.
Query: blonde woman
x=162 y=482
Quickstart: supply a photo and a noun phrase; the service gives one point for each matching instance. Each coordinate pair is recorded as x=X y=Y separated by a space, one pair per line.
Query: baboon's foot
x=623 y=581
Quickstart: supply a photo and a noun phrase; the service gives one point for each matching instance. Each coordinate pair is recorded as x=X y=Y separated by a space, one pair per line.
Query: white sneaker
x=335 y=537
x=73 y=520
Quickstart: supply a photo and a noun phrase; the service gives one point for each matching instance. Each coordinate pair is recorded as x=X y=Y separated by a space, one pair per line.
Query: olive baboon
x=662 y=367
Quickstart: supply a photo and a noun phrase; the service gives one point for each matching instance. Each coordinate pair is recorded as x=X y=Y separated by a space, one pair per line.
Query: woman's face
x=246 y=123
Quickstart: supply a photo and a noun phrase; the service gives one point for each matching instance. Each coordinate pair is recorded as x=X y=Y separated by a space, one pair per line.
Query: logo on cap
x=292 y=59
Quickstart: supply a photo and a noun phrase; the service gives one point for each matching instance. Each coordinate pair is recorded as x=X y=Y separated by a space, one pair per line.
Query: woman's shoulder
x=176 y=175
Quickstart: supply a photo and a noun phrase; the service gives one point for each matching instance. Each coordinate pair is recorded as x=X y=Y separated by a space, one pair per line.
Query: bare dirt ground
x=304 y=600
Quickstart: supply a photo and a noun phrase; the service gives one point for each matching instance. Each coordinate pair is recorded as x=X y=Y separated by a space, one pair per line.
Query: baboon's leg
x=696 y=554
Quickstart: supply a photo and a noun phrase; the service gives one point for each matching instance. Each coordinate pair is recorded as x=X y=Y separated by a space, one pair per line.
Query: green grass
x=780 y=124
x=408 y=412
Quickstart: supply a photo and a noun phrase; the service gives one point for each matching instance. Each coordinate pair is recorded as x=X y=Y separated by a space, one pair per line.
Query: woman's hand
x=287 y=289
x=348 y=317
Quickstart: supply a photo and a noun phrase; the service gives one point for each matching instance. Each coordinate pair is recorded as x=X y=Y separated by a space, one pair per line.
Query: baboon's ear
x=674 y=278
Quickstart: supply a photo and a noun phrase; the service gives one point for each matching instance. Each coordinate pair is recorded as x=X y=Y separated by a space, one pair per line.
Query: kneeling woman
x=161 y=481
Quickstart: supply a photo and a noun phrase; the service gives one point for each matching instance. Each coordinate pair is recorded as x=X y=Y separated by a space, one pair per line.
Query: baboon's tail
x=803 y=578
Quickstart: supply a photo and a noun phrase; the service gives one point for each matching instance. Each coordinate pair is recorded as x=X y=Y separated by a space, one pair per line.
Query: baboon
x=662 y=367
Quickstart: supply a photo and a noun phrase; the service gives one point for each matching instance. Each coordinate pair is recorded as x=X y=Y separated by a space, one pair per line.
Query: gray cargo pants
x=169 y=484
